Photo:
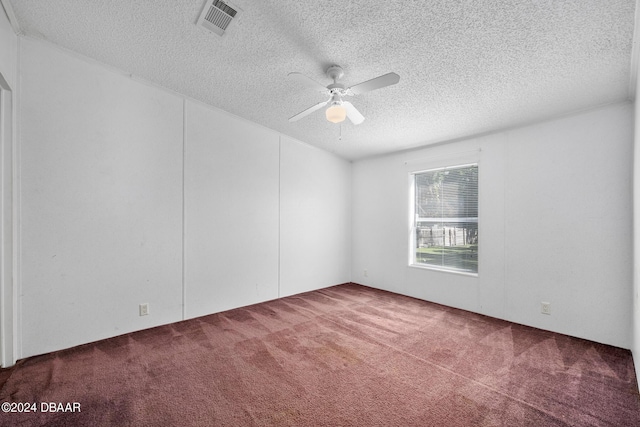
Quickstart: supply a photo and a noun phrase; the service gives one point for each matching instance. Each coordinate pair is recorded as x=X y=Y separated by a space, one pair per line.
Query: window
x=445 y=218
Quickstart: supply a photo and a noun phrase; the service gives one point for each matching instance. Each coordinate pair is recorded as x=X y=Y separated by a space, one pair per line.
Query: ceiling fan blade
x=308 y=111
x=307 y=81
x=377 y=83
x=353 y=114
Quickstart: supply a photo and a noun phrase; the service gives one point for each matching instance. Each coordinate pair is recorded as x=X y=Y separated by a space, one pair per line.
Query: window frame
x=413 y=219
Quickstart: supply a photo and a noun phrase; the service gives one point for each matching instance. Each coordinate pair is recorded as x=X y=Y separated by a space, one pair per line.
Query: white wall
x=315 y=208
x=132 y=194
x=8 y=67
x=284 y=224
x=555 y=225
x=231 y=211
x=101 y=201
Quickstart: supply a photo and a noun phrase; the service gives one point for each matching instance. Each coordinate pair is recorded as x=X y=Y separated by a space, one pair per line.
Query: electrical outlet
x=144 y=309
x=365 y=273
x=545 y=307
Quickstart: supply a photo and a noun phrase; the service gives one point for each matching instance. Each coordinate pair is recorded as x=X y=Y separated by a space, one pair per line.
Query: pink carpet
x=342 y=356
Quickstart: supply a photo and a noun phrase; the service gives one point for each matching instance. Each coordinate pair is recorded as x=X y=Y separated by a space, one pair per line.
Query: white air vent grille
x=217 y=15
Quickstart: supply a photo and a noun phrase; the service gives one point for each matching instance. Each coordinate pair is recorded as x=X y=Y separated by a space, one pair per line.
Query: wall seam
x=17 y=223
x=184 y=216
x=279 y=211
x=505 y=286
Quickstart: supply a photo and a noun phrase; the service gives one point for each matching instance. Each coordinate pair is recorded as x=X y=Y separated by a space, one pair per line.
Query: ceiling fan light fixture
x=338 y=109
x=336 y=113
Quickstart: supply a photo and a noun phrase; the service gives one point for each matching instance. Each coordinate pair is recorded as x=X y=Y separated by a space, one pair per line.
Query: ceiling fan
x=338 y=109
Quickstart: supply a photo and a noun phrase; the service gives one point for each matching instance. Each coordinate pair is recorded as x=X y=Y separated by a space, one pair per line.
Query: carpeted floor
x=342 y=356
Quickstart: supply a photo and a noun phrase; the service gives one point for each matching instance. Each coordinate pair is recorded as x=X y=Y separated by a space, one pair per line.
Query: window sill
x=442 y=270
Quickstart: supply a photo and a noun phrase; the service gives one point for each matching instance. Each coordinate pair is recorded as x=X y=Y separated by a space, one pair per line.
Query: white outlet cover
x=545 y=307
x=144 y=309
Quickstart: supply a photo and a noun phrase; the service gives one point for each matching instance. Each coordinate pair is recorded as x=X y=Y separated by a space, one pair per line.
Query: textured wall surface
x=101 y=202
x=131 y=194
x=554 y=223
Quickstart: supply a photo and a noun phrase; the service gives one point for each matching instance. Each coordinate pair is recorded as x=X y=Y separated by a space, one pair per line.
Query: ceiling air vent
x=217 y=15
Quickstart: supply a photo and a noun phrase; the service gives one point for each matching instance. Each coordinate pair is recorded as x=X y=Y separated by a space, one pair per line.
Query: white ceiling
x=466 y=66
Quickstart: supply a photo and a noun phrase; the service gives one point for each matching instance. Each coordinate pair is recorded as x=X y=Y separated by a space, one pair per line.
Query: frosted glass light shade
x=336 y=113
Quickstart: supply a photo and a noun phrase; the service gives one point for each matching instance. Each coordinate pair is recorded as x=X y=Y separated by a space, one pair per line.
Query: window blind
x=446 y=218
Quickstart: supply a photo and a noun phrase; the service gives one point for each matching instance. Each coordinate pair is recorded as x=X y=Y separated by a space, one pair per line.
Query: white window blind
x=445 y=229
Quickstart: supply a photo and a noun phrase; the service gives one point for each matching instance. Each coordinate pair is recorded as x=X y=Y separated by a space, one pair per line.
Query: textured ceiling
x=466 y=66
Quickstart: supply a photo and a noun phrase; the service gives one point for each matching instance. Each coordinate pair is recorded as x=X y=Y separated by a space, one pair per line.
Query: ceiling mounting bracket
x=335 y=73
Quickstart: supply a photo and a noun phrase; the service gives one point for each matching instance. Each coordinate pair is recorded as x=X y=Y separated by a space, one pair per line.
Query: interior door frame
x=8 y=294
